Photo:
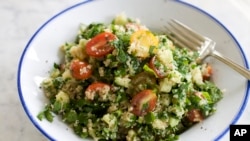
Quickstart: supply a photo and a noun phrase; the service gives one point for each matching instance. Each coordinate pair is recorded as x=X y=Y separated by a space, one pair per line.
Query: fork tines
x=184 y=36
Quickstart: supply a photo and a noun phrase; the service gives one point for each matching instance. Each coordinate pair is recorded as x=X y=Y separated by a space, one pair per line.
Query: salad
x=122 y=81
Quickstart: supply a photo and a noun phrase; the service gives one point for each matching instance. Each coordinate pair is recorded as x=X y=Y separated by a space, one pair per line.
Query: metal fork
x=184 y=36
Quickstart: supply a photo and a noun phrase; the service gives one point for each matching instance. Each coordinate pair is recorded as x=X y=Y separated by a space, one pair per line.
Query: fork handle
x=242 y=70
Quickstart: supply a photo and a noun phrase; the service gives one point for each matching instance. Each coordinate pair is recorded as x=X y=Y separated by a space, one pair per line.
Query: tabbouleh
x=122 y=81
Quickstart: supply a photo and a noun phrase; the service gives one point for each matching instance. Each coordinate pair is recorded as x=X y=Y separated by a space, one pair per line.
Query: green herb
x=45 y=114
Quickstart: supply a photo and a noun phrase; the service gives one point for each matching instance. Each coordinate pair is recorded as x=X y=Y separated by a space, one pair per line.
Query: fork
x=184 y=36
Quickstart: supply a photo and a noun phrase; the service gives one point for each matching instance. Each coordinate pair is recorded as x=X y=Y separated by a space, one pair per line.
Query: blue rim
x=236 y=118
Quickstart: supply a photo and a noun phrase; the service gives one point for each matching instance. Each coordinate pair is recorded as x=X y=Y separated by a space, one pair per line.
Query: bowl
x=42 y=51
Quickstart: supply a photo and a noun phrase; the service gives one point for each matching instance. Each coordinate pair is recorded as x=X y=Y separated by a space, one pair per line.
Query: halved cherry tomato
x=207 y=72
x=97 y=88
x=158 y=71
x=195 y=115
x=144 y=102
x=142 y=40
x=80 y=69
x=99 y=45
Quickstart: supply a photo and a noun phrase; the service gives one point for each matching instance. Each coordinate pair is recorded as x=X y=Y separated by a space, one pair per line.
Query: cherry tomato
x=207 y=72
x=144 y=102
x=97 y=88
x=143 y=40
x=195 y=115
x=158 y=71
x=99 y=45
x=80 y=69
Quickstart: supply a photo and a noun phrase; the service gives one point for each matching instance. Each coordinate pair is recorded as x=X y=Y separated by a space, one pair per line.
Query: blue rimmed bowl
x=42 y=50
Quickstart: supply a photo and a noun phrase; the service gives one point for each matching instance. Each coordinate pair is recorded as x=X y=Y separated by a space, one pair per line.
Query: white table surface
x=20 y=19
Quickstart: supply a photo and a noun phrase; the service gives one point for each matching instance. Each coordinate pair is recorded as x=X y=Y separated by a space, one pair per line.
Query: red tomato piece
x=207 y=72
x=195 y=115
x=97 y=88
x=99 y=45
x=80 y=69
x=158 y=71
x=144 y=102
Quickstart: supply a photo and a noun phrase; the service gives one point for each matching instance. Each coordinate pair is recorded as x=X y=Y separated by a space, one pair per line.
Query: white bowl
x=42 y=51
